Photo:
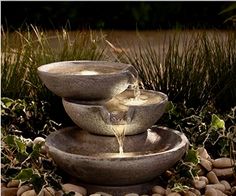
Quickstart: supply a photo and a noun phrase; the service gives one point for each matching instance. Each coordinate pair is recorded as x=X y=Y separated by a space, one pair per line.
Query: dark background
x=115 y=15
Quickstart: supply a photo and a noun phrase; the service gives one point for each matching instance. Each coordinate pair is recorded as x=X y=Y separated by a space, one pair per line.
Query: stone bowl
x=87 y=80
x=95 y=159
x=96 y=118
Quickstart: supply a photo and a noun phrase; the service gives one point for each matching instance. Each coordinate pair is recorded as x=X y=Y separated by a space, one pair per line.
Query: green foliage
x=27 y=118
x=206 y=127
x=25 y=161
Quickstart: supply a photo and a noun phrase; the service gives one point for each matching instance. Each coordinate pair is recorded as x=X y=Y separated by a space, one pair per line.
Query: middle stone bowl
x=139 y=115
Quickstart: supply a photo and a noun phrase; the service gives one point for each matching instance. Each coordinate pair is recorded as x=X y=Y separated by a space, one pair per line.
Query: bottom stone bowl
x=95 y=159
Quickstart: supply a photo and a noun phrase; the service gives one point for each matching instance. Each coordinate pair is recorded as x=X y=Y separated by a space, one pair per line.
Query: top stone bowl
x=87 y=80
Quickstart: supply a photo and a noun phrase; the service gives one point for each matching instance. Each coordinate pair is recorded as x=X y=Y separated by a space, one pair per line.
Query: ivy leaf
x=217 y=123
x=10 y=140
x=37 y=182
x=6 y=101
x=21 y=146
x=36 y=151
x=25 y=174
x=192 y=156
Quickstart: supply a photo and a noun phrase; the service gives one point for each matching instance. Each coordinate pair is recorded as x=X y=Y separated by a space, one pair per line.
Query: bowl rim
x=41 y=69
x=101 y=103
x=184 y=143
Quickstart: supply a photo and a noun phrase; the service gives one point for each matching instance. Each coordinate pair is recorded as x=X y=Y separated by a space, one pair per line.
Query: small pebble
x=206 y=164
x=226 y=172
x=8 y=191
x=156 y=194
x=195 y=191
x=189 y=193
x=199 y=184
x=29 y=193
x=49 y=191
x=220 y=187
x=158 y=189
x=203 y=153
x=203 y=178
x=132 y=194
x=22 y=189
x=71 y=187
x=212 y=178
x=38 y=140
x=210 y=192
x=103 y=193
x=174 y=194
x=226 y=184
x=223 y=163
x=13 y=183
x=220 y=193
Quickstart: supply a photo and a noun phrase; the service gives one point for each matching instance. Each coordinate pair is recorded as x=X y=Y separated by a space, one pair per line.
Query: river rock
x=131 y=194
x=203 y=153
x=189 y=193
x=156 y=194
x=29 y=193
x=159 y=190
x=8 y=191
x=199 y=184
x=195 y=191
x=223 y=163
x=174 y=194
x=39 y=140
x=203 y=178
x=13 y=183
x=22 y=189
x=71 y=187
x=213 y=179
x=49 y=191
x=220 y=193
x=103 y=193
x=224 y=172
x=226 y=184
x=206 y=164
x=210 y=192
x=95 y=194
x=220 y=187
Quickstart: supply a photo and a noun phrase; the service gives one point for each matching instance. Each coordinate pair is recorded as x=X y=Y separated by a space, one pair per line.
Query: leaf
x=36 y=151
x=37 y=182
x=192 y=156
x=10 y=141
x=25 y=174
x=21 y=146
x=6 y=101
x=217 y=123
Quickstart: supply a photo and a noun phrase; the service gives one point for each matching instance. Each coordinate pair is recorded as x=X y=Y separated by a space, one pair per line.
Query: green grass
x=23 y=52
x=196 y=70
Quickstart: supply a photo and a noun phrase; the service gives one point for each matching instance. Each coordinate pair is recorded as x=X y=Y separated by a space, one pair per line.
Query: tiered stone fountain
x=114 y=147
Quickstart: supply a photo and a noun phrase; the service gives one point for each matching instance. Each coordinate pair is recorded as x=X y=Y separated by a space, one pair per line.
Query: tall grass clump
x=23 y=51
x=198 y=69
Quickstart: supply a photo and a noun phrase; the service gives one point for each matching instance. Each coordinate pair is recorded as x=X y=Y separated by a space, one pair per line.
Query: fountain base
x=144 y=188
x=95 y=159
